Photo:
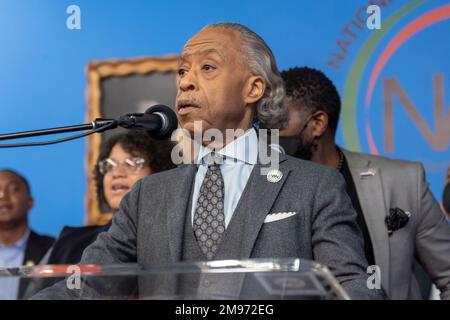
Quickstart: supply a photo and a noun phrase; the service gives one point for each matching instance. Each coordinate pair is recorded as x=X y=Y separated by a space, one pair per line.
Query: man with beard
x=399 y=217
x=222 y=207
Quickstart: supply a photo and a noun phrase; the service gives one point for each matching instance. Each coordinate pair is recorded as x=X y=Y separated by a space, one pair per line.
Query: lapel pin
x=274 y=176
x=29 y=263
x=369 y=173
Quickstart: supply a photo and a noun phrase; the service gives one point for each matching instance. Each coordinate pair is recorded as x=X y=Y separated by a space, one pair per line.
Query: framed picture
x=117 y=87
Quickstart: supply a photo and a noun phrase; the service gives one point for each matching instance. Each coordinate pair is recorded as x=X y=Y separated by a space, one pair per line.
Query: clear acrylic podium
x=256 y=279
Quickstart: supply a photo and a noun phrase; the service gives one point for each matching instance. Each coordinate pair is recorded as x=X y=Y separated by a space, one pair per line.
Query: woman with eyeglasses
x=123 y=160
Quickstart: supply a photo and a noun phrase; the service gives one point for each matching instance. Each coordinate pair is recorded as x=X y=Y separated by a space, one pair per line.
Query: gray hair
x=270 y=109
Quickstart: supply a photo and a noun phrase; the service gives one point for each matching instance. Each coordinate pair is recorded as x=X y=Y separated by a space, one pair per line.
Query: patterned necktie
x=209 y=218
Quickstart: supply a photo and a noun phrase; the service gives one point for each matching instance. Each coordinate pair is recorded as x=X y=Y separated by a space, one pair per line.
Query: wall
x=42 y=78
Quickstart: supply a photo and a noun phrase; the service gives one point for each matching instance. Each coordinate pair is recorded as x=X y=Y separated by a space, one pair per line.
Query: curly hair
x=311 y=89
x=157 y=154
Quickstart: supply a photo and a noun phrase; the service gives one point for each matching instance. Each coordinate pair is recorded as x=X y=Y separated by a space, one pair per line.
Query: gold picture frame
x=96 y=72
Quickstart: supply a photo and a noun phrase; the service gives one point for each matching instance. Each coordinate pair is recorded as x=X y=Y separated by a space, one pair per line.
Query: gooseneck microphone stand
x=159 y=120
x=98 y=125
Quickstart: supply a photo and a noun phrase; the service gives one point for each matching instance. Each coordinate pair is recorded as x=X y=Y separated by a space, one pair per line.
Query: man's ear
x=319 y=123
x=30 y=203
x=254 y=89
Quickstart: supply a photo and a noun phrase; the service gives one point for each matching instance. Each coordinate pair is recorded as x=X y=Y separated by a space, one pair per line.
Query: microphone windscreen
x=169 y=121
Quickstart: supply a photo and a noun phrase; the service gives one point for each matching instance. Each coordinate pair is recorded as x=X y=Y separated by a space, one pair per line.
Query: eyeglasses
x=130 y=165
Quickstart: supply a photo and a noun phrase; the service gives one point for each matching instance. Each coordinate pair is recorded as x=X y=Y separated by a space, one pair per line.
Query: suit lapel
x=33 y=250
x=177 y=210
x=373 y=205
x=256 y=201
x=33 y=254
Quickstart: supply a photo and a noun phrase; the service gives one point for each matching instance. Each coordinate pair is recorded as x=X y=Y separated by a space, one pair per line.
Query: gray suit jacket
x=426 y=236
x=148 y=229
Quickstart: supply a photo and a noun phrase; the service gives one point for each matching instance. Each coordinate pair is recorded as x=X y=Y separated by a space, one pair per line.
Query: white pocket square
x=278 y=216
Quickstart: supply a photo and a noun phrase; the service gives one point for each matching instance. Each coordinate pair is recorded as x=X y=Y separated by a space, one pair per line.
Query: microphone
x=159 y=121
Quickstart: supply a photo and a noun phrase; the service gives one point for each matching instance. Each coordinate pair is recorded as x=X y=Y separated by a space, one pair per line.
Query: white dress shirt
x=12 y=256
x=240 y=156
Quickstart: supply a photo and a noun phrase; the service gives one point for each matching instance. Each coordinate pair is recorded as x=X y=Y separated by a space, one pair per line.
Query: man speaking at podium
x=221 y=206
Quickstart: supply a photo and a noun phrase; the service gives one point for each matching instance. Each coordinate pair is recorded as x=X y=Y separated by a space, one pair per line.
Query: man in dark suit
x=405 y=232
x=225 y=205
x=18 y=244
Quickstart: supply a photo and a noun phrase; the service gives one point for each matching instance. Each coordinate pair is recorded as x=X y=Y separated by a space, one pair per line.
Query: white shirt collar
x=19 y=244
x=243 y=149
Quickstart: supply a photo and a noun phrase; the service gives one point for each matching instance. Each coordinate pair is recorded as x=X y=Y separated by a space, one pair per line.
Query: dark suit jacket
x=446 y=199
x=425 y=239
x=67 y=249
x=148 y=229
x=72 y=241
x=36 y=248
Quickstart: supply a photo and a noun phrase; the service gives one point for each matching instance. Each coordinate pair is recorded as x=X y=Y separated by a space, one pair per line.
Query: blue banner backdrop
x=393 y=81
